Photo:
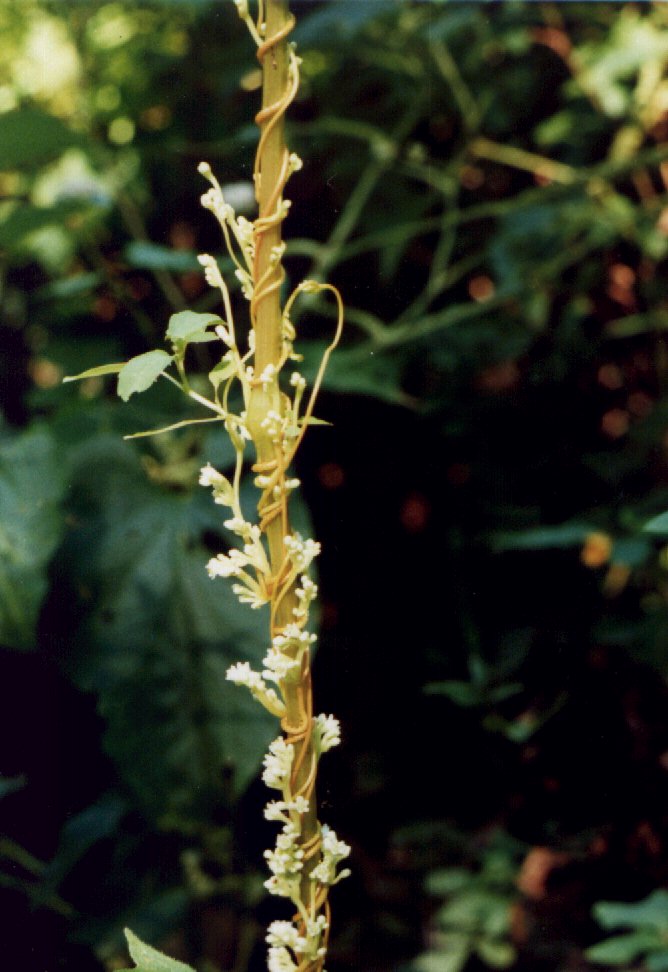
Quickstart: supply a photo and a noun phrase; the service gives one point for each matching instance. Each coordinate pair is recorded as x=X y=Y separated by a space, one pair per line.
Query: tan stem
x=266 y=315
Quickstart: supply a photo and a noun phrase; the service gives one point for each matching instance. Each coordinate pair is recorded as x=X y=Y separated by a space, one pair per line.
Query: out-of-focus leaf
x=31 y=524
x=658 y=525
x=187 y=324
x=139 y=373
x=343 y=19
x=543 y=538
x=29 y=137
x=621 y=949
x=148 y=959
x=651 y=912
x=657 y=961
x=153 y=256
x=98 y=371
x=375 y=375
x=496 y=954
x=160 y=635
x=11 y=784
x=24 y=219
x=79 y=834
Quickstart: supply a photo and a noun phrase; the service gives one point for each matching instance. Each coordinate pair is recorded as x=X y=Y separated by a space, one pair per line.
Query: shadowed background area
x=487 y=184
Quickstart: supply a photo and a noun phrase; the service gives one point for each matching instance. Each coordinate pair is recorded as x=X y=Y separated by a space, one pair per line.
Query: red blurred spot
x=640 y=404
x=499 y=377
x=182 y=236
x=610 y=376
x=331 y=475
x=105 y=307
x=192 y=283
x=481 y=288
x=414 y=513
x=615 y=423
x=458 y=474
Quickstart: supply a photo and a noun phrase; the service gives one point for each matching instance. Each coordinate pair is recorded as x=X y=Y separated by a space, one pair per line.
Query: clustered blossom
x=278 y=763
x=301 y=552
x=326 y=733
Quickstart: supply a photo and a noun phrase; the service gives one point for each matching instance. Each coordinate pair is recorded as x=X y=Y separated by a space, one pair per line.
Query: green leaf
x=23 y=219
x=544 y=537
x=658 y=525
x=620 y=949
x=357 y=373
x=29 y=137
x=31 y=525
x=107 y=369
x=658 y=961
x=496 y=954
x=461 y=693
x=155 y=636
x=222 y=371
x=140 y=372
x=11 y=784
x=651 y=912
x=149 y=959
x=186 y=324
x=152 y=256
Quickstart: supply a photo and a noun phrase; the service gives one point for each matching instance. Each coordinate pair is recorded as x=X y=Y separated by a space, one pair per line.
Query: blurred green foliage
x=487 y=184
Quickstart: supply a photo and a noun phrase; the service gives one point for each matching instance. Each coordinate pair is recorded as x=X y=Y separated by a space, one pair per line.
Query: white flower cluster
x=277 y=764
x=333 y=852
x=292 y=944
x=326 y=733
x=223 y=493
x=302 y=553
x=243 y=674
x=286 y=862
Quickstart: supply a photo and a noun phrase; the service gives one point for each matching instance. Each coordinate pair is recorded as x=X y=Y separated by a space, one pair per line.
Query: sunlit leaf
x=184 y=325
x=139 y=373
x=148 y=959
x=107 y=369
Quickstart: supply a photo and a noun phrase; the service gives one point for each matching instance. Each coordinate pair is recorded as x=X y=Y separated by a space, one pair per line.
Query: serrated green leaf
x=108 y=369
x=148 y=959
x=651 y=912
x=184 y=325
x=620 y=949
x=139 y=373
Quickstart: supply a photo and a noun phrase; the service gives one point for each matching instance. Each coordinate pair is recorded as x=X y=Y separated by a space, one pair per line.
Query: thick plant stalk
x=305 y=861
x=271 y=173
x=270 y=565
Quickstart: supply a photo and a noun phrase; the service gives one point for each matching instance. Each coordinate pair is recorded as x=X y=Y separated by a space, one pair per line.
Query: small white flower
x=327 y=732
x=278 y=959
x=333 y=852
x=278 y=666
x=297 y=380
x=267 y=377
x=284 y=933
x=301 y=552
x=294 y=163
x=278 y=763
